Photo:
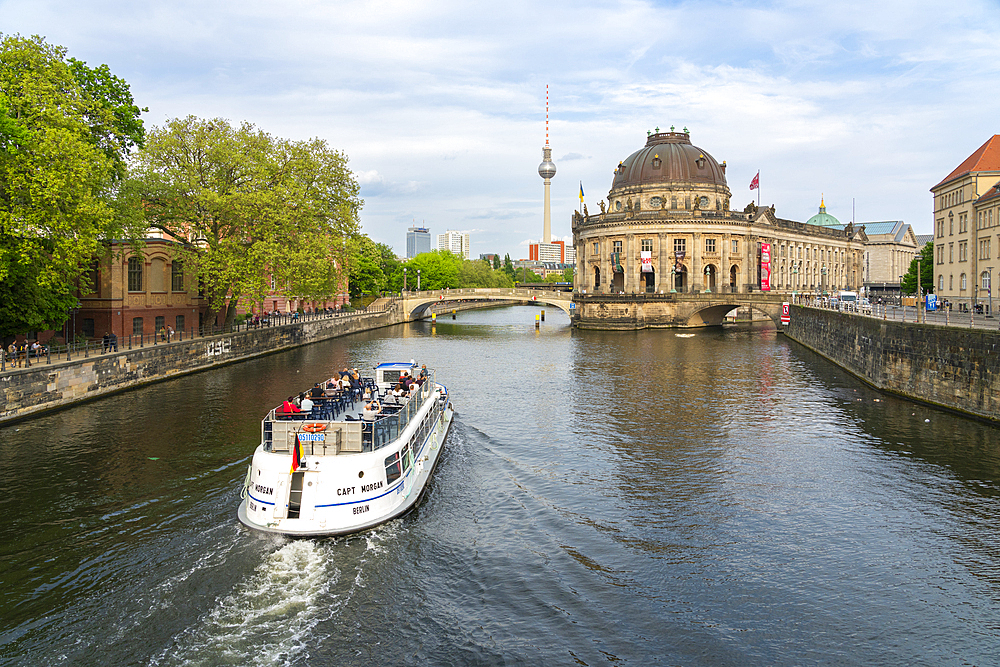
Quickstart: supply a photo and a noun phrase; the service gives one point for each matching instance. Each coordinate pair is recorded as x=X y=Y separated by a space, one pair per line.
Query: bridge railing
x=486 y=291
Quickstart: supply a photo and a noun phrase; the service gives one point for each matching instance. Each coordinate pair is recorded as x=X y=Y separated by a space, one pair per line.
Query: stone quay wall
x=25 y=392
x=953 y=368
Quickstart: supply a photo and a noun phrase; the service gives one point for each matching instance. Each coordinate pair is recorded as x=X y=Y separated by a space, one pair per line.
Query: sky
x=440 y=105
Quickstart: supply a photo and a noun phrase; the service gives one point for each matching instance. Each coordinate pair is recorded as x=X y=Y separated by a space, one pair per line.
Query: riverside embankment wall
x=950 y=367
x=29 y=391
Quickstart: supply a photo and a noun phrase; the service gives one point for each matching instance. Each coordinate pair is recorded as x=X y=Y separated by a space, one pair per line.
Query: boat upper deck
x=330 y=426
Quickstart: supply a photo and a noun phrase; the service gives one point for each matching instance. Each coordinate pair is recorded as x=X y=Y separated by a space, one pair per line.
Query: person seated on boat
x=288 y=407
x=423 y=371
x=316 y=391
x=397 y=394
x=345 y=383
x=372 y=408
x=306 y=403
x=332 y=386
x=297 y=400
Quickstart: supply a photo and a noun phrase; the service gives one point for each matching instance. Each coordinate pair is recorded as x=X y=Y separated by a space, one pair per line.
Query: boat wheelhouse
x=342 y=467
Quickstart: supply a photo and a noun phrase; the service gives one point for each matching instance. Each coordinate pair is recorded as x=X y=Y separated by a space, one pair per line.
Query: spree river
x=721 y=498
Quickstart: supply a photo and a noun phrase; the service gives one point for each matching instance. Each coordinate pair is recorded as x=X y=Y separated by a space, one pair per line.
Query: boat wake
x=271 y=617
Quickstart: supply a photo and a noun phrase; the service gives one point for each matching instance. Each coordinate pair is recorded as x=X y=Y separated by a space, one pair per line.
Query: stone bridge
x=640 y=311
x=415 y=304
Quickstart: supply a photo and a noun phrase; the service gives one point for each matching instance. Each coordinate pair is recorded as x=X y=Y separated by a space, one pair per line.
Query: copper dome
x=669 y=158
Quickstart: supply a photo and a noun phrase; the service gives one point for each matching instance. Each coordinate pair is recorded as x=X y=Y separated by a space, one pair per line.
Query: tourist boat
x=332 y=473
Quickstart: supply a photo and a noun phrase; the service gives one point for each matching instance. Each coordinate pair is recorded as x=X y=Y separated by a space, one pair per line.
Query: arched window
x=134 y=274
x=962 y=285
x=941 y=282
x=984 y=280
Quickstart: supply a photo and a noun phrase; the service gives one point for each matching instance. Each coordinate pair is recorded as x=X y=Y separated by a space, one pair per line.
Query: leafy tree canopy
x=61 y=149
x=250 y=208
x=926 y=257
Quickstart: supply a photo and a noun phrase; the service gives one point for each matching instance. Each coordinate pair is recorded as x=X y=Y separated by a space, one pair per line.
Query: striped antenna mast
x=546 y=114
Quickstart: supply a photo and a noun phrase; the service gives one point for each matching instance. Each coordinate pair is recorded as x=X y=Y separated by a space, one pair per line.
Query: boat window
x=390 y=376
x=407 y=458
x=392 y=470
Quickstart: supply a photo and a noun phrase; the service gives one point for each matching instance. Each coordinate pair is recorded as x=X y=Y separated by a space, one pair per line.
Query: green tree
x=250 y=208
x=926 y=257
x=61 y=146
x=496 y=262
x=508 y=266
x=439 y=269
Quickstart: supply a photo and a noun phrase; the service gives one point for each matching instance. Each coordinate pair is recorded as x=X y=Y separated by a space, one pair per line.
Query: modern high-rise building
x=418 y=240
x=455 y=242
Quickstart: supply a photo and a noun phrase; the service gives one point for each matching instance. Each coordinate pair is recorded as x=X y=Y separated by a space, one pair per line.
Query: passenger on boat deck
x=331 y=386
x=316 y=392
x=345 y=373
x=345 y=383
x=371 y=410
x=306 y=404
x=397 y=393
x=423 y=371
x=289 y=406
x=297 y=400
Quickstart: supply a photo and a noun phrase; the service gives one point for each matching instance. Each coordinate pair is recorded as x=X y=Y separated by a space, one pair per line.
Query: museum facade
x=666 y=226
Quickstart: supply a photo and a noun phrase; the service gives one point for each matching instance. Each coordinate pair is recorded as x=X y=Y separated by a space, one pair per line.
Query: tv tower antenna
x=547 y=169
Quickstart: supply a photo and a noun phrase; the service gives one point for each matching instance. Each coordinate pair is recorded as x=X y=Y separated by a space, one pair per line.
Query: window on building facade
x=616 y=246
x=710 y=245
x=984 y=249
x=160 y=322
x=134 y=274
x=984 y=280
x=177 y=276
x=680 y=245
x=940 y=282
x=940 y=254
x=647 y=245
x=88 y=327
x=961 y=282
x=951 y=253
x=963 y=251
x=597 y=249
x=736 y=247
x=951 y=282
x=137 y=326
x=963 y=223
x=179 y=323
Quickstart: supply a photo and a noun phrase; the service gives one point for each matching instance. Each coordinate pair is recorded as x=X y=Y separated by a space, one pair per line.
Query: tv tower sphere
x=547 y=169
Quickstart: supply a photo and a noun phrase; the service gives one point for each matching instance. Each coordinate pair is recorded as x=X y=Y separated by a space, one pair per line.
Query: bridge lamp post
x=404 y=278
x=418 y=280
x=673 y=280
x=823 y=274
x=708 y=286
x=795 y=280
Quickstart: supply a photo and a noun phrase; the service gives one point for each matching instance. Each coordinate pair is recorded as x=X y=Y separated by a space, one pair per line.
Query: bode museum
x=667 y=228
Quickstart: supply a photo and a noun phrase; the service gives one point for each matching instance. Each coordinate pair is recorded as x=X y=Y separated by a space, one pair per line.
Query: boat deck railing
x=321 y=433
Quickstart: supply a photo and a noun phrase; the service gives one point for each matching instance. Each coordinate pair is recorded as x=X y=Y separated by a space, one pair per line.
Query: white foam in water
x=265 y=620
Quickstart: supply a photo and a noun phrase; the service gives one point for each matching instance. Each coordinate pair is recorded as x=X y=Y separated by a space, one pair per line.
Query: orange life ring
x=314 y=428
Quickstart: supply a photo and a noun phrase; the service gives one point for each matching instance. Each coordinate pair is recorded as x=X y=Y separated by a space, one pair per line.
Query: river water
x=726 y=498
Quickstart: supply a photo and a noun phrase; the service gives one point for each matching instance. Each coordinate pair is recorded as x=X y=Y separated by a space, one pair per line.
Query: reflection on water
x=722 y=499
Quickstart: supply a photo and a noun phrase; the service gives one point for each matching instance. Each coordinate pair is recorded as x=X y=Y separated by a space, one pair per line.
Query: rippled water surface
x=604 y=498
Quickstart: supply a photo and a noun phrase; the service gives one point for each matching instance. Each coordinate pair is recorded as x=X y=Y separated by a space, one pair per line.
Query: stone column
x=664 y=263
x=605 y=255
x=631 y=281
x=722 y=279
x=697 y=277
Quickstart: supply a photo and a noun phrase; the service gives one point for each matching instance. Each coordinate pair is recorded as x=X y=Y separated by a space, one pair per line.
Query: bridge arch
x=714 y=314
x=415 y=304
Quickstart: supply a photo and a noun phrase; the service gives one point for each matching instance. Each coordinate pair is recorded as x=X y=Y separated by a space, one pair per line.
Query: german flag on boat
x=296 y=454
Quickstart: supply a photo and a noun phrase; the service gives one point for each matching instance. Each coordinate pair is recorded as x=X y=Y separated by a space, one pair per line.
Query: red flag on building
x=755 y=183
x=296 y=454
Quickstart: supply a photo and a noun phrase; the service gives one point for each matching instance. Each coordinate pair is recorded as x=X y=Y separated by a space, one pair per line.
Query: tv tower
x=547 y=169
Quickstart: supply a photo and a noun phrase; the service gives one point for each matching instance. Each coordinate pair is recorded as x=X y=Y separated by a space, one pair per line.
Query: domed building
x=666 y=226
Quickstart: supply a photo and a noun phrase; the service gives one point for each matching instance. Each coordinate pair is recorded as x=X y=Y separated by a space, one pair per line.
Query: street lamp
x=822 y=272
x=673 y=280
x=708 y=274
x=418 y=280
x=404 y=278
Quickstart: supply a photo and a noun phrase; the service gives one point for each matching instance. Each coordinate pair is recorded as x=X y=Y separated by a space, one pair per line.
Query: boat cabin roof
x=396 y=366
